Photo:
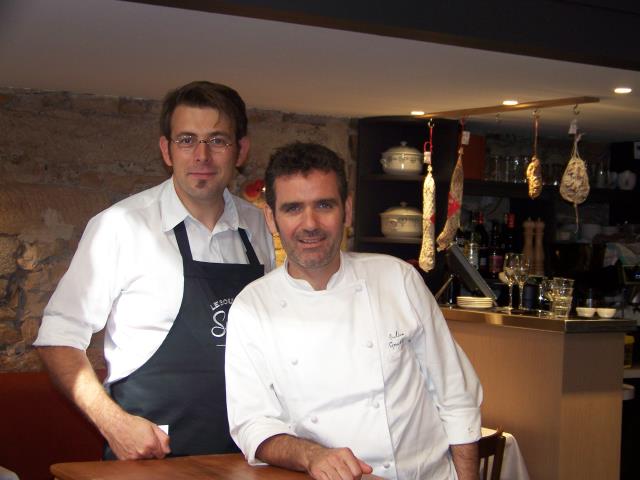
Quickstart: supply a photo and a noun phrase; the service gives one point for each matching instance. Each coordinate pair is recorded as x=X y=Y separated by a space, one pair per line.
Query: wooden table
x=218 y=467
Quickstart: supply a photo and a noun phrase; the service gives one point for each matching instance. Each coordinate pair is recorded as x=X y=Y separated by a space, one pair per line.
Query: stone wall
x=63 y=158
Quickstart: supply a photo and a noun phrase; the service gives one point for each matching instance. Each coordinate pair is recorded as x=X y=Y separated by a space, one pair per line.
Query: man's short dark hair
x=204 y=94
x=303 y=158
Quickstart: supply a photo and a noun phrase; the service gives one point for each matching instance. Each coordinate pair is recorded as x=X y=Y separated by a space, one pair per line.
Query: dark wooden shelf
x=407 y=241
x=489 y=188
x=496 y=189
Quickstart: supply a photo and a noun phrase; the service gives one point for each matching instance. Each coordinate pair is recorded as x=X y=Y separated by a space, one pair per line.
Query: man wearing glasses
x=159 y=270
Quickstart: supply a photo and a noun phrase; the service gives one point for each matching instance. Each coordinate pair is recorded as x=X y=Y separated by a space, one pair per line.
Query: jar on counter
x=472 y=252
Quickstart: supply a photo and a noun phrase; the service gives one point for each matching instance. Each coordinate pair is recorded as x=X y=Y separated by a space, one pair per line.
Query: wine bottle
x=481 y=238
x=509 y=233
x=496 y=254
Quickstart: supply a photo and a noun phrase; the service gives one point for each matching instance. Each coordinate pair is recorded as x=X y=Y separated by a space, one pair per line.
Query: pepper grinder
x=538 y=253
x=527 y=249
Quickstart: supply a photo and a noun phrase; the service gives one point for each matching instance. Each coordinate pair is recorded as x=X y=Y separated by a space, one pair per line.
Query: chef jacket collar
x=336 y=280
x=173 y=211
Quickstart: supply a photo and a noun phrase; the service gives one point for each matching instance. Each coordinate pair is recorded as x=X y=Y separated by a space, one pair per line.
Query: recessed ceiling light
x=622 y=90
x=510 y=102
x=417 y=112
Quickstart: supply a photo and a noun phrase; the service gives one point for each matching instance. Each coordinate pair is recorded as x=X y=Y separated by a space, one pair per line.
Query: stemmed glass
x=545 y=296
x=521 y=276
x=511 y=262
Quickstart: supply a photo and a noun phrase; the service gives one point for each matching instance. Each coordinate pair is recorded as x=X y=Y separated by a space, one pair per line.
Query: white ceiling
x=110 y=47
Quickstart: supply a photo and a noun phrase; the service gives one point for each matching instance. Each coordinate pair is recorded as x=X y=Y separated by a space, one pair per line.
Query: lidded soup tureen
x=401 y=222
x=402 y=160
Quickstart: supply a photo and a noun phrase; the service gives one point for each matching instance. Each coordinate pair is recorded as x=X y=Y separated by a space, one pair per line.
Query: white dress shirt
x=368 y=363
x=127 y=273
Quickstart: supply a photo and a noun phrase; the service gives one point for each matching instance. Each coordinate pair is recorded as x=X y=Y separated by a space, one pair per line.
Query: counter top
x=538 y=322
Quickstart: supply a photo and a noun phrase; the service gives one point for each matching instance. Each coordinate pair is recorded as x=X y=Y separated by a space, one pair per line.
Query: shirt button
x=294 y=361
x=283 y=303
x=376 y=404
x=358 y=288
x=386 y=464
x=314 y=419
x=369 y=344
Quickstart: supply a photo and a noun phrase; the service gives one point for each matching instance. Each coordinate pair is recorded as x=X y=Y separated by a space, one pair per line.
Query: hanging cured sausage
x=574 y=186
x=427 y=251
x=454 y=203
x=534 y=170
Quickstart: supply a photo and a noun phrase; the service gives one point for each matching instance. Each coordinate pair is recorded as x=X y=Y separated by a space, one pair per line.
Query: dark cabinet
x=377 y=191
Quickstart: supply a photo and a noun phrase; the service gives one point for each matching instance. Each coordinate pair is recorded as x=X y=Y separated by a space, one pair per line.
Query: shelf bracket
x=497 y=109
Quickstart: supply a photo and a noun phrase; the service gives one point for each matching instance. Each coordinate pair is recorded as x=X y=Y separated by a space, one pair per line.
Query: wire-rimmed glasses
x=189 y=142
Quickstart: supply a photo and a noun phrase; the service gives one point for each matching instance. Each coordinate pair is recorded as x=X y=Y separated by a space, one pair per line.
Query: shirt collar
x=336 y=280
x=173 y=210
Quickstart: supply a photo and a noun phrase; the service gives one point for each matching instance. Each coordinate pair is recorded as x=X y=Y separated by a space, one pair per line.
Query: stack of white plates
x=474 y=302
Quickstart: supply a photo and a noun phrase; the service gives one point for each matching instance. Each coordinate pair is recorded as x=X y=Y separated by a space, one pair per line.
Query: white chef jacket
x=368 y=363
x=127 y=273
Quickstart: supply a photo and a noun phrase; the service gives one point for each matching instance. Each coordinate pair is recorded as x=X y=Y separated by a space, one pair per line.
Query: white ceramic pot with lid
x=401 y=222
x=402 y=160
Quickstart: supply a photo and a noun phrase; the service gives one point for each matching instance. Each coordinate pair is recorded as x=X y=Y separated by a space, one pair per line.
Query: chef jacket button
x=358 y=288
x=283 y=303
x=314 y=419
x=369 y=344
x=376 y=404
x=386 y=464
x=294 y=361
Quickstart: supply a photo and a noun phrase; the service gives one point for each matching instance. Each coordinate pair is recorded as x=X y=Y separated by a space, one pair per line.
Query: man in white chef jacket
x=159 y=271
x=341 y=364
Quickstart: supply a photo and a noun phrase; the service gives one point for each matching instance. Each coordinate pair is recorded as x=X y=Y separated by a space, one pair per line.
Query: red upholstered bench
x=39 y=426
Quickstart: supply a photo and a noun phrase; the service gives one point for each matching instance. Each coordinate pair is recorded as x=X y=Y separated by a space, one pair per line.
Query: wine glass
x=511 y=262
x=545 y=296
x=521 y=274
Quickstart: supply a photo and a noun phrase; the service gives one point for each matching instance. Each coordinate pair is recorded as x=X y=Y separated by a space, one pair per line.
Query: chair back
x=491 y=451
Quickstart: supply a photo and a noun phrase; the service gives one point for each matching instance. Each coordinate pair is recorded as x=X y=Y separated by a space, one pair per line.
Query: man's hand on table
x=129 y=437
x=320 y=462
x=335 y=464
x=132 y=438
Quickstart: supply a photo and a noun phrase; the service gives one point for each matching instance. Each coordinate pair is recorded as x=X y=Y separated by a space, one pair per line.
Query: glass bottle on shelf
x=509 y=232
x=496 y=254
x=459 y=238
x=516 y=169
x=480 y=237
x=471 y=252
x=470 y=247
x=507 y=169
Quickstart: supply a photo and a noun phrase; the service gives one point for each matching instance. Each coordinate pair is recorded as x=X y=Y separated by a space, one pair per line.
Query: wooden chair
x=491 y=446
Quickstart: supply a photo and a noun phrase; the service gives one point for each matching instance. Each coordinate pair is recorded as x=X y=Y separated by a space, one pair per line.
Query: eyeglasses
x=190 y=142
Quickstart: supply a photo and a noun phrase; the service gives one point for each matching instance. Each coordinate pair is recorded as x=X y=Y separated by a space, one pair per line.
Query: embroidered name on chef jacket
x=396 y=341
x=220 y=309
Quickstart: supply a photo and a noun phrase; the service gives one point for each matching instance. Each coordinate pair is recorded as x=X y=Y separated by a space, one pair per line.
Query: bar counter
x=537 y=321
x=555 y=384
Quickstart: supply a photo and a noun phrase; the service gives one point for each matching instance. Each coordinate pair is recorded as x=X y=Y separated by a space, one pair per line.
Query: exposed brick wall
x=63 y=158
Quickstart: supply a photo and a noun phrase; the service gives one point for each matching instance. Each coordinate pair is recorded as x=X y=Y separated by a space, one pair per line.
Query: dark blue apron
x=182 y=384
